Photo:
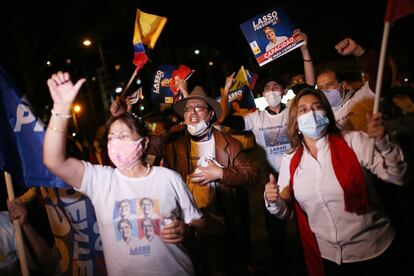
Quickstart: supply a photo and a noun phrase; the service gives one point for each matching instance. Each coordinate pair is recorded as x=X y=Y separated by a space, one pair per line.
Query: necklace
x=148 y=170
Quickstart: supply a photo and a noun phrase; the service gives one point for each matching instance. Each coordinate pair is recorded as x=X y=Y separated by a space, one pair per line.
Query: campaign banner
x=270 y=35
x=240 y=91
x=75 y=229
x=21 y=138
x=164 y=87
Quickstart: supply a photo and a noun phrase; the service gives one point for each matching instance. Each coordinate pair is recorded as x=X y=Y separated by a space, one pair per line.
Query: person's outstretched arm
x=63 y=93
x=308 y=67
x=368 y=60
x=224 y=102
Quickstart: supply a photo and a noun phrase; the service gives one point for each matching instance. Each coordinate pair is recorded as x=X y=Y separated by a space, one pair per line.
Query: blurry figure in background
x=99 y=154
x=41 y=258
x=245 y=137
x=123 y=104
x=297 y=83
x=351 y=107
x=237 y=110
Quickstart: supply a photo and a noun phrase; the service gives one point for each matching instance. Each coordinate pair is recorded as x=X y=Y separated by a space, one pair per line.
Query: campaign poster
x=270 y=35
x=240 y=91
x=164 y=88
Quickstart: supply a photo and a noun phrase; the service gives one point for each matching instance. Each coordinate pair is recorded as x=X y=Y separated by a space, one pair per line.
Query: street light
x=76 y=109
x=87 y=43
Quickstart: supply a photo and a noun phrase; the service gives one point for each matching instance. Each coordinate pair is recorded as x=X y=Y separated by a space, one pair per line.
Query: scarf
x=351 y=178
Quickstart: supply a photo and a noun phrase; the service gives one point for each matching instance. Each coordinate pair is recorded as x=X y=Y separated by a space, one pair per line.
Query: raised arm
x=225 y=98
x=63 y=93
x=308 y=67
x=367 y=59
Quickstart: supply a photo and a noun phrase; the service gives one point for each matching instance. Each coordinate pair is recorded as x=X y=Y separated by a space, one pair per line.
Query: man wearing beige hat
x=215 y=169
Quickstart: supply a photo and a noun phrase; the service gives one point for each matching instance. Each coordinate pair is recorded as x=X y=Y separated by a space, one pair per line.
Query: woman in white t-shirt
x=126 y=246
x=343 y=229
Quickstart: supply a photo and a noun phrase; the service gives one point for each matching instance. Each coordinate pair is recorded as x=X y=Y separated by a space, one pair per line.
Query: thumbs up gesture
x=271 y=189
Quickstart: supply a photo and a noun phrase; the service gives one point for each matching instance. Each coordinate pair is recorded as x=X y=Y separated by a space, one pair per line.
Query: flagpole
x=378 y=85
x=18 y=230
x=130 y=81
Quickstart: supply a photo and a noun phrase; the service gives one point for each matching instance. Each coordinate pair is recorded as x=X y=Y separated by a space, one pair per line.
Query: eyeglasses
x=197 y=109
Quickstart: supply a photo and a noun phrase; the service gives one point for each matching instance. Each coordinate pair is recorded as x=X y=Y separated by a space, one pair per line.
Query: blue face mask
x=313 y=124
x=333 y=96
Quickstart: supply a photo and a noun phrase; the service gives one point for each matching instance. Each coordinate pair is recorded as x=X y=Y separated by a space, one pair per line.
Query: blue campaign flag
x=21 y=138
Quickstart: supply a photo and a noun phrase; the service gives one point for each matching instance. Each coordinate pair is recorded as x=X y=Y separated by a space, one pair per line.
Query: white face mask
x=273 y=98
x=313 y=124
x=199 y=129
x=334 y=96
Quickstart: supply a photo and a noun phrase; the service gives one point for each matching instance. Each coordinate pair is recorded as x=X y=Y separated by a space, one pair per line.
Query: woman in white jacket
x=343 y=228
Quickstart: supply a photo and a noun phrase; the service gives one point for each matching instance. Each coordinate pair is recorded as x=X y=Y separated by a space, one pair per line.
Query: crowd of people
x=187 y=198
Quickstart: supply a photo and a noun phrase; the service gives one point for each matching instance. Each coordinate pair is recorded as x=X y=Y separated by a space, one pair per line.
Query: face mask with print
x=273 y=98
x=124 y=154
x=313 y=124
x=333 y=96
x=199 y=129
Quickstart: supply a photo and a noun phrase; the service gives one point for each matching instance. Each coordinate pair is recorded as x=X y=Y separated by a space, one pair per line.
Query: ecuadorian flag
x=148 y=28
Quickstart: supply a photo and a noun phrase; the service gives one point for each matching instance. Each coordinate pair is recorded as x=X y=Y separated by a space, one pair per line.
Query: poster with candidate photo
x=270 y=35
x=164 y=86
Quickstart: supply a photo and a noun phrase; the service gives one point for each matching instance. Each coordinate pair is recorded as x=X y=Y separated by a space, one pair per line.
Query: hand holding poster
x=165 y=87
x=240 y=91
x=270 y=35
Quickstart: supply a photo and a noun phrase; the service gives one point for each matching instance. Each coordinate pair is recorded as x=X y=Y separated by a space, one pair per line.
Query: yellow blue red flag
x=148 y=28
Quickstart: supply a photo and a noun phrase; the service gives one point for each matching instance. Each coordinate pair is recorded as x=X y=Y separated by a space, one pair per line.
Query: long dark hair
x=295 y=138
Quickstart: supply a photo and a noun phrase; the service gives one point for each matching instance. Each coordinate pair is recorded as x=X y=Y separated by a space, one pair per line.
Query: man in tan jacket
x=216 y=171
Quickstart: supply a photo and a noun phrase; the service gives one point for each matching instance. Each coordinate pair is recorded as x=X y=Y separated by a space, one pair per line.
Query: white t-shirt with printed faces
x=270 y=132
x=131 y=243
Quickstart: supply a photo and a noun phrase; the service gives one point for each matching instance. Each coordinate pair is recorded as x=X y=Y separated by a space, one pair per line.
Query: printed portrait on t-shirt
x=276 y=140
x=125 y=210
x=148 y=211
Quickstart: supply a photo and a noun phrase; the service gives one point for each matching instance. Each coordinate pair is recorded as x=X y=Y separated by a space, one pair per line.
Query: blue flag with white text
x=21 y=138
x=71 y=215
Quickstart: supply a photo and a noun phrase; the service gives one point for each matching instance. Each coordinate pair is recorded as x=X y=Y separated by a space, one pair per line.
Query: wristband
x=55 y=129
x=66 y=116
